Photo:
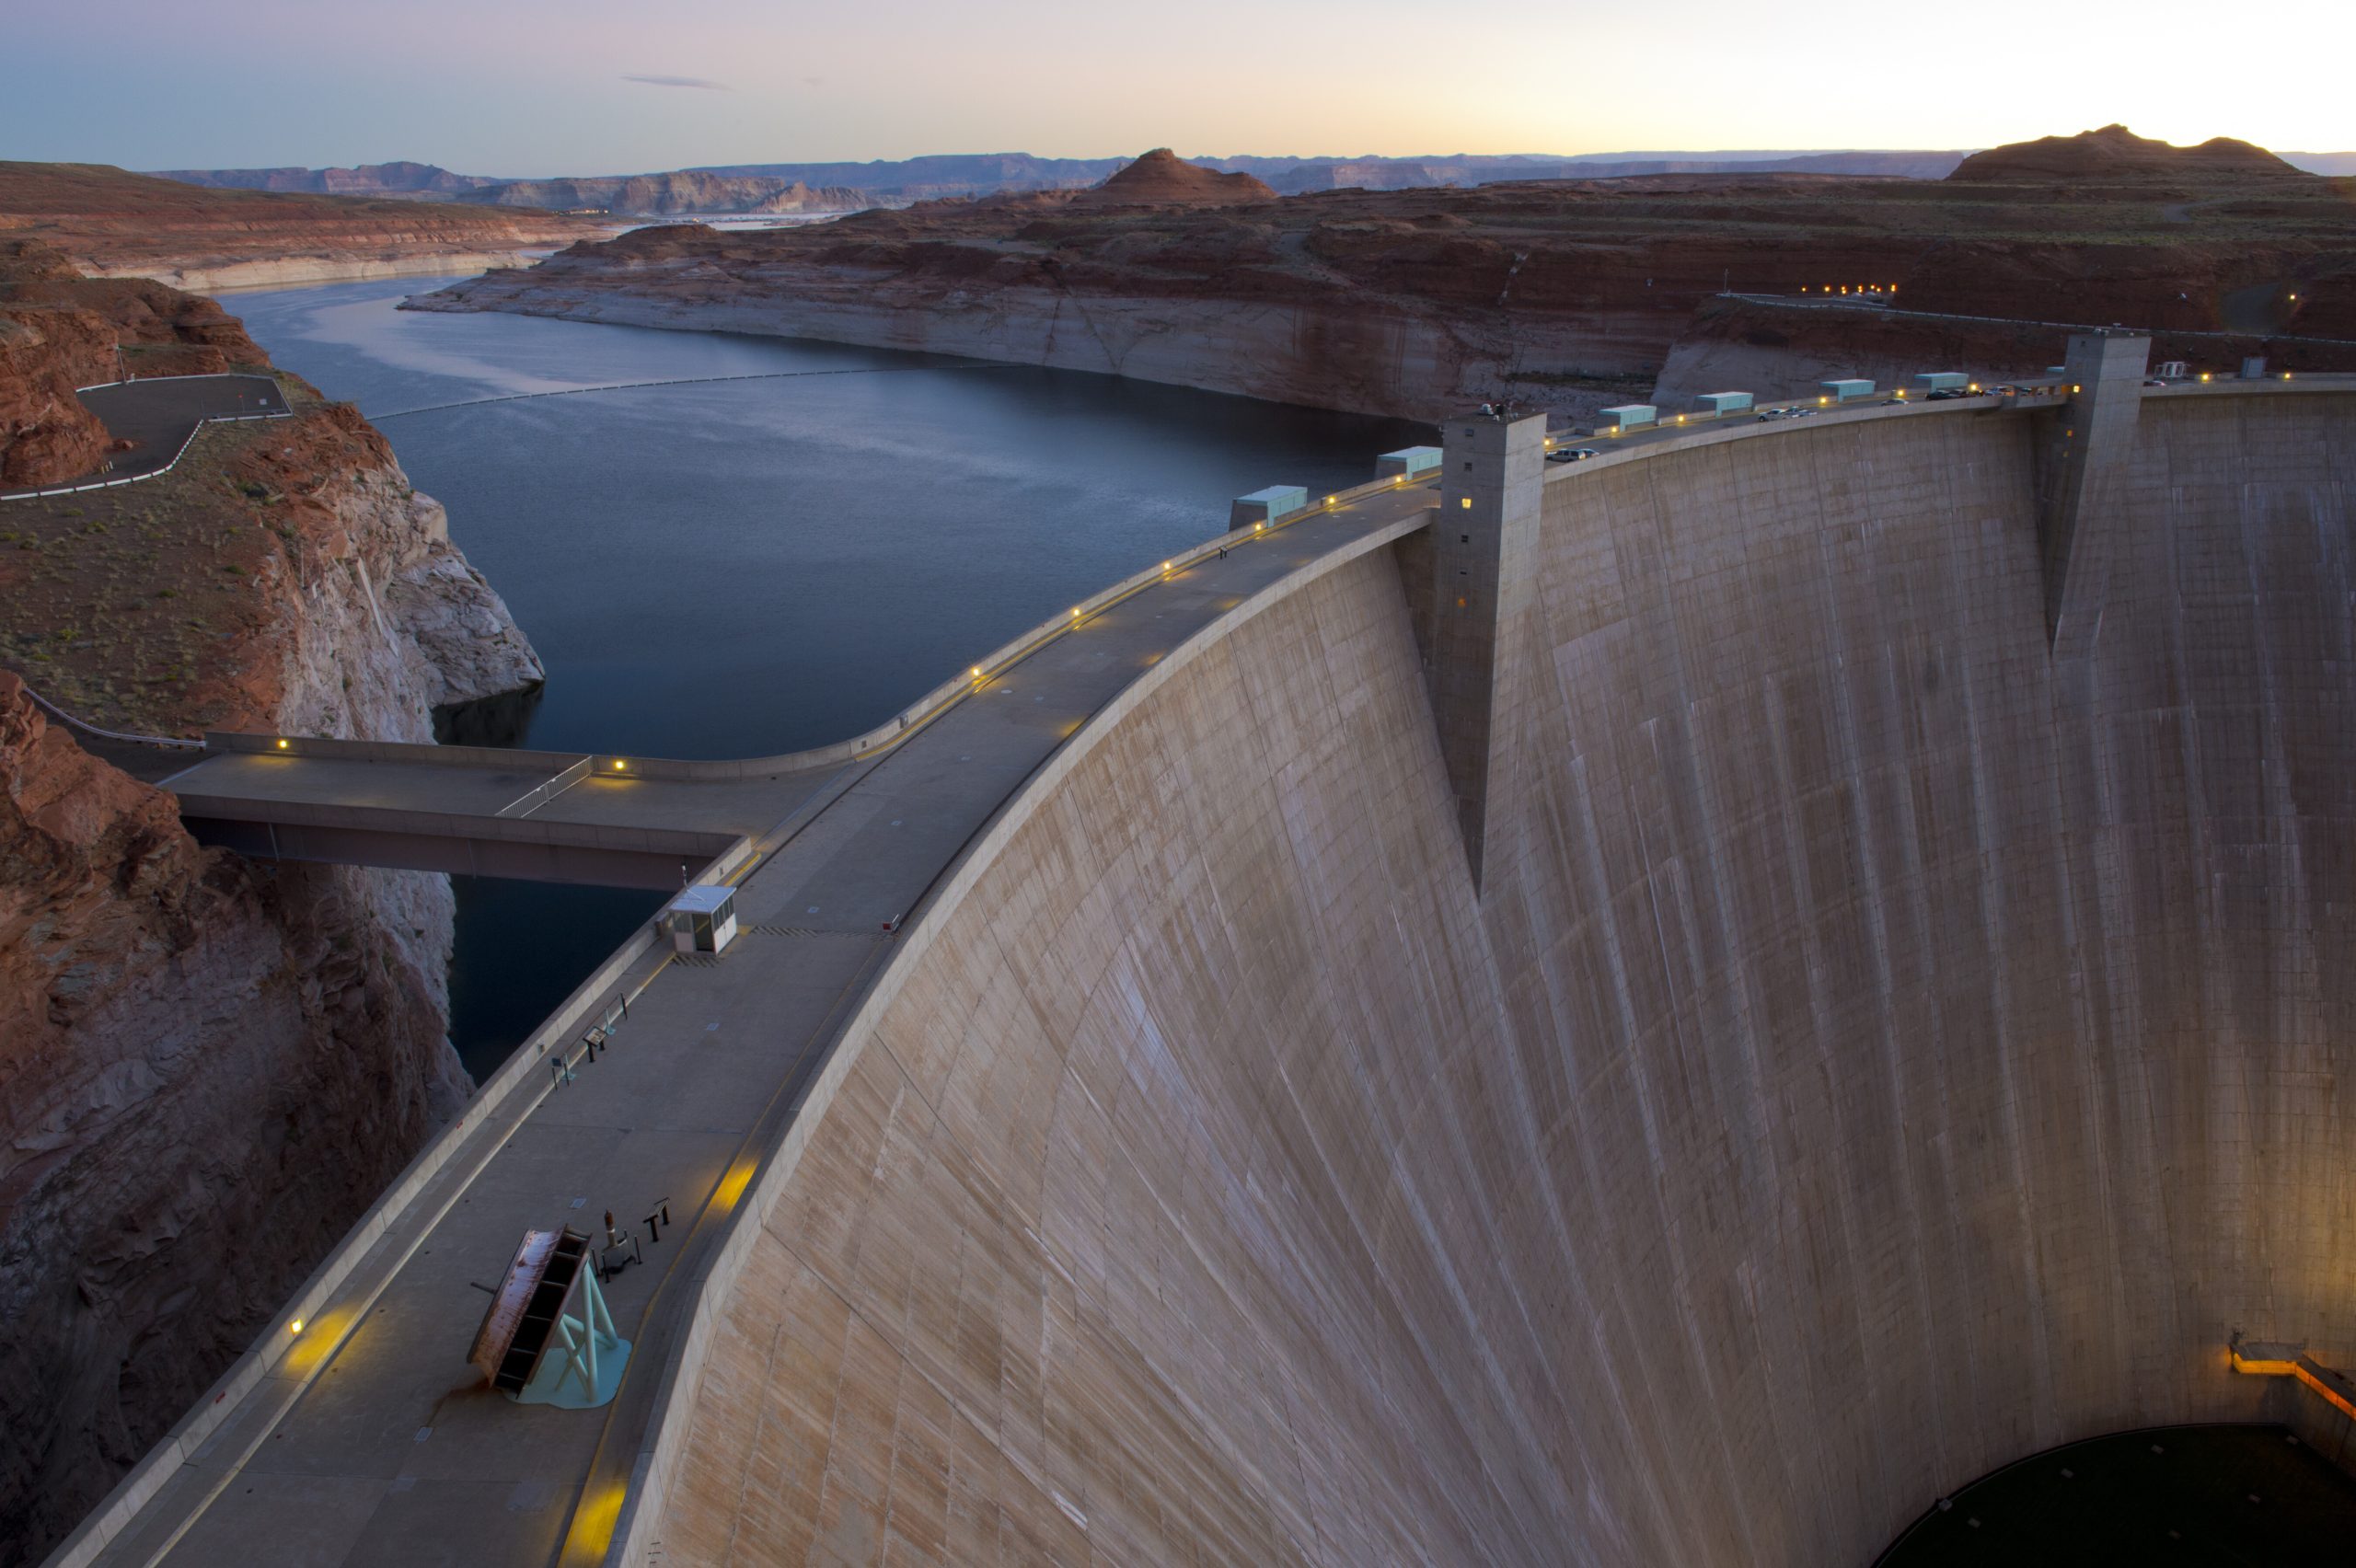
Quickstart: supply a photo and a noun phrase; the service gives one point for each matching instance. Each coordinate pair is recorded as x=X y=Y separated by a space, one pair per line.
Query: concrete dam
x=1671 y=1010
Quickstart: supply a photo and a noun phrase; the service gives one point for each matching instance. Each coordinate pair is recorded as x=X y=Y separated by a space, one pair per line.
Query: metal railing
x=169 y=742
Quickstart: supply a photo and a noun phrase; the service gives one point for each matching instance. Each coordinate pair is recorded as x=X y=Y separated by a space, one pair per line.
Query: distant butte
x=1162 y=179
x=2115 y=153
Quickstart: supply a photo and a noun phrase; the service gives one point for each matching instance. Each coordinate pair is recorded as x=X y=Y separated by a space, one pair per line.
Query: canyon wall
x=118 y=225
x=209 y=1067
x=1881 y=1052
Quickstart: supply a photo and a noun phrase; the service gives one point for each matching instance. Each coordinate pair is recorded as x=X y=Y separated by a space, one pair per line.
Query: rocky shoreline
x=291 y=271
x=114 y=223
x=1567 y=296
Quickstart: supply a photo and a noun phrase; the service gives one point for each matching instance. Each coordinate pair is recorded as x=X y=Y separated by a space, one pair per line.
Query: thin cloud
x=679 y=82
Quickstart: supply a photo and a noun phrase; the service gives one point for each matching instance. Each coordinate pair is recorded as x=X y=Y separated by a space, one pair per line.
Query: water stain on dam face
x=1880 y=1050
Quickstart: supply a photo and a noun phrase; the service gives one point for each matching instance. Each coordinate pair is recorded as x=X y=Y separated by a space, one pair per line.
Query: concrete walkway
x=373 y=1442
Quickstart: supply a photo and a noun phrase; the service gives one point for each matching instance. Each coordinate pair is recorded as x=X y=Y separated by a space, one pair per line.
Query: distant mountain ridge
x=366 y=179
x=898 y=181
x=683 y=193
x=982 y=174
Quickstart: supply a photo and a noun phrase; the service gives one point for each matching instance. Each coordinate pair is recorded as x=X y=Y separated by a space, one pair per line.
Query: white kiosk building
x=702 y=918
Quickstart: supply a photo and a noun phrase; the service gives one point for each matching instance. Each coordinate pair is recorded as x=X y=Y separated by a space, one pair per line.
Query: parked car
x=1944 y=393
x=1572 y=454
x=1766 y=414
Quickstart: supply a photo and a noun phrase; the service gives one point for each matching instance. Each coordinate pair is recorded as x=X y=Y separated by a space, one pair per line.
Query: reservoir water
x=730 y=568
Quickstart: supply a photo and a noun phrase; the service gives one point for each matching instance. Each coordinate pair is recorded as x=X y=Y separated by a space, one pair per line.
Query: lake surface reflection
x=739 y=566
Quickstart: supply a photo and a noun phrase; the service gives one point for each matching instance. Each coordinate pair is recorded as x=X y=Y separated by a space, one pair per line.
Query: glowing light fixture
x=282 y=741
x=977 y=671
x=296 y=1327
x=1165 y=566
x=620 y=766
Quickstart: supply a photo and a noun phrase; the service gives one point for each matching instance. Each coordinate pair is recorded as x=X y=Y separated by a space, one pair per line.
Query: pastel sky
x=534 y=86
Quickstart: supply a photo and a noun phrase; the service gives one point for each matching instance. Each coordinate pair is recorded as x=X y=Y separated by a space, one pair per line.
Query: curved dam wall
x=1880 y=1050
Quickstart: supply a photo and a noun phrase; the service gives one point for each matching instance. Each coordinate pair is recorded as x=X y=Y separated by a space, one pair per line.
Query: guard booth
x=1627 y=417
x=1267 y=505
x=1406 y=463
x=702 y=918
x=1846 y=390
x=1713 y=404
x=1941 y=381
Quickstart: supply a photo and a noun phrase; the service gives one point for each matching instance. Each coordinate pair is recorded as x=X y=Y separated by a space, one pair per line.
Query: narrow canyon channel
x=736 y=567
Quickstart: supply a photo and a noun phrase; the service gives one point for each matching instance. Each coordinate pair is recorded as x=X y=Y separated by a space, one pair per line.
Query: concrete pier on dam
x=1672 y=1008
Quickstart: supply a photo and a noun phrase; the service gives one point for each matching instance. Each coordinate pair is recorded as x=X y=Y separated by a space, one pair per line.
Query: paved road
x=374 y=1443
x=159 y=414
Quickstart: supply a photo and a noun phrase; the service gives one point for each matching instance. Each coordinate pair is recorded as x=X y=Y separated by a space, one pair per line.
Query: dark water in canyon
x=744 y=567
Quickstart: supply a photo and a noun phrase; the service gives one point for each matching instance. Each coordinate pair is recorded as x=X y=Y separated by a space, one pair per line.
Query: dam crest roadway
x=361 y=1436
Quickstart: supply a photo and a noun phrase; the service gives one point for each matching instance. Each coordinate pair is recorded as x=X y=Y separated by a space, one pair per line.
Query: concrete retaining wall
x=1880 y=1051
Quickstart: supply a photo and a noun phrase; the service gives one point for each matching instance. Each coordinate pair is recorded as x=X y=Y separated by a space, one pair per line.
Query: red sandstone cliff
x=208 y=1066
x=207 y=1071
x=60 y=331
